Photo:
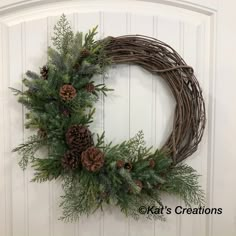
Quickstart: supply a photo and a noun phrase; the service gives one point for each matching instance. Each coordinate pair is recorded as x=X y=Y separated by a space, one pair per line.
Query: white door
x=203 y=33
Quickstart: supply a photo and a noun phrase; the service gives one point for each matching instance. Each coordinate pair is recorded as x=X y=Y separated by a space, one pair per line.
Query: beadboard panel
x=140 y=101
x=19 y=182
x=116 y=111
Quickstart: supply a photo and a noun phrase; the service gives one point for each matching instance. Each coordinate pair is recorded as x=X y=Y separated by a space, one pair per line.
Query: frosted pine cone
x=71 y=160
x=128 y=166
x=90 y=87
x=152 y=163
x=92 y=159
x=44 y=72
x=84 y=53
x=120 y=164
x=139 y=183
x=79 y=137
x=67 y=92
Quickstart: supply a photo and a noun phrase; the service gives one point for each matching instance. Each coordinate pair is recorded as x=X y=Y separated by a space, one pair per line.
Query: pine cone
x=90 y=87
x=157 y=186
x=71 y=160
x=120 y=164
x=139 y=183
x=152 y=163
x=92 y=159
x=79 y=137
x=67 y=92
x=77 y=66
x=44 y=72
x=42 y=133
x=84 y=53
x=128 y=166
x=66 y=113
x=104 y=195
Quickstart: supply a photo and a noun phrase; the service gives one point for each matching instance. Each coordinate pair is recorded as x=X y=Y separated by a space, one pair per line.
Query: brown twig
x=159 y=58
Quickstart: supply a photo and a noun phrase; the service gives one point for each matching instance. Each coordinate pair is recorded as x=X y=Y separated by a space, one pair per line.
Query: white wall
x=201 y=31
x=224 y=193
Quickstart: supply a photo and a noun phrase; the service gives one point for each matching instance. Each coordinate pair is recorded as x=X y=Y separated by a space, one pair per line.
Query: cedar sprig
x=83 y=196
x=28 y=149
x=63 y=35
x=46 y=169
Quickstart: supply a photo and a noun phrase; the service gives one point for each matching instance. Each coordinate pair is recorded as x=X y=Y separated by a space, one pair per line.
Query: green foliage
x=41 y=97
x=16 y=91
x=182 y=180
x=46 y=169
x=63 y=35
x=89 y=38
x=86 y=192
x=32 y=75
x=28 y=149
x=74 y=61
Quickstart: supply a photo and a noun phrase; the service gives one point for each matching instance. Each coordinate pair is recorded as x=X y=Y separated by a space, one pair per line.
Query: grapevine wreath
x=60 y=106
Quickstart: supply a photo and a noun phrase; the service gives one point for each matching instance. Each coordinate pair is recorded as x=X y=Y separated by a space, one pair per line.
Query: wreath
x=59 y=105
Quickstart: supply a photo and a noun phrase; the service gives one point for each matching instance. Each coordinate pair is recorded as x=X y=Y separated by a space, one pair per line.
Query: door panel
x=140 y=101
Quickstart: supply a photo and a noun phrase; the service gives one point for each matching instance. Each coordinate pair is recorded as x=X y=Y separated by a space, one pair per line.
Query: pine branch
x=102 y=88
x=56 y=59
x=63 y=35
x=89 y=37
x=90 y=115
x=16 y=91
x=81 y=196
x=100 y=140
x=32 y=75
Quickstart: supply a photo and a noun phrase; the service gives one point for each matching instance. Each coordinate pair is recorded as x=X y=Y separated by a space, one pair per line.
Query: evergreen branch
x=89 y=117
x=183 y=181
x=100 y=140
x=85 y=195
x=63 y=35
x=56 y=59
x=28 y=149
x=46 y=169
x=16 y=91
x=89 y=37
x=102 y=88
x=32 y=75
